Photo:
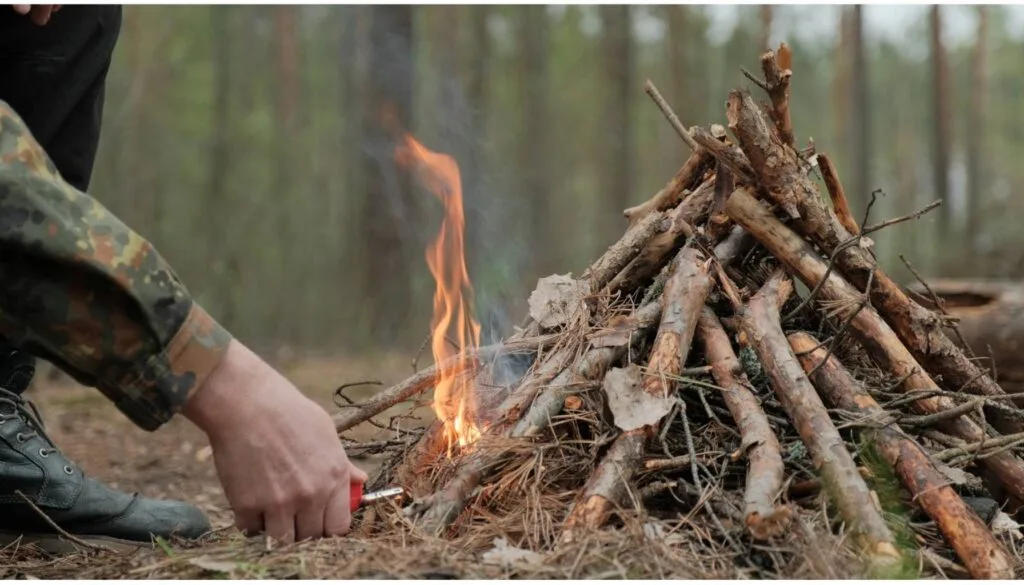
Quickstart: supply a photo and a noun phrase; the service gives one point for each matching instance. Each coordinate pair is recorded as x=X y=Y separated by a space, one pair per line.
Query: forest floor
x=175 y=462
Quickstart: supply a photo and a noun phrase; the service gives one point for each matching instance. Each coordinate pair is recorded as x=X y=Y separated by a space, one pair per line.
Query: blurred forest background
x=244 y=142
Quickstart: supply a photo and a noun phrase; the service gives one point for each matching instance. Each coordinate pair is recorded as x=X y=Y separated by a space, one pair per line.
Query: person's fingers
x=357 y=475
x=41 y=14
x=337 y=513
x=309 y=522
x=249 y=523
x=280 y=524
x=22 y=9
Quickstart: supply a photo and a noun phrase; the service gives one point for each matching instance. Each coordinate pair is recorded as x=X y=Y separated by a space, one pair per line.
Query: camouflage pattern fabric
x=81 y=289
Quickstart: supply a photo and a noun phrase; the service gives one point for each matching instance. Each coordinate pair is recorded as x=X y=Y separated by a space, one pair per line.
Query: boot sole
x=57 y=544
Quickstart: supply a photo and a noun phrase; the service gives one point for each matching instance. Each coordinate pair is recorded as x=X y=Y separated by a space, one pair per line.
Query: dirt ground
x=175 y=462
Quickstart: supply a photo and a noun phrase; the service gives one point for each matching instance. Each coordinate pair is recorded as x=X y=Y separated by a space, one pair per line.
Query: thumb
x=357 y=475
x=22 y=9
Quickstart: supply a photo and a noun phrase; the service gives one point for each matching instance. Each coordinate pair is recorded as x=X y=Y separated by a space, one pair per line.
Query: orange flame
x=454 y=396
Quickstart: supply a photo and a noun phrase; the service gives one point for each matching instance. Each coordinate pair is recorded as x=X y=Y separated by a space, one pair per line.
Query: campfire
x=683 y=378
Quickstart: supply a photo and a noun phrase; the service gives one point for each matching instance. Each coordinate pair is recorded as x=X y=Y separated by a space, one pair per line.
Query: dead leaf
x=505 y=554
x=957 y=476
x=208 y=564
x=631 y=407
x=1003 y=524
x=557 y=300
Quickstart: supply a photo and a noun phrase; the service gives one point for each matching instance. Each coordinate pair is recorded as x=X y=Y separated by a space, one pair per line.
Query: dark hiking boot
x=32 y=469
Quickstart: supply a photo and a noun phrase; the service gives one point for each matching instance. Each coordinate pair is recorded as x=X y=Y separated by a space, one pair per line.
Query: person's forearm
x=80 y=288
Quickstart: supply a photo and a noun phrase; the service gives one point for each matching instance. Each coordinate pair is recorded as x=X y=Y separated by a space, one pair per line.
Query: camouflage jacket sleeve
x=81 y=289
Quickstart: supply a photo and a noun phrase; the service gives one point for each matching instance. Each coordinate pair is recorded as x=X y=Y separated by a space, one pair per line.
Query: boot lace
x=15 y=407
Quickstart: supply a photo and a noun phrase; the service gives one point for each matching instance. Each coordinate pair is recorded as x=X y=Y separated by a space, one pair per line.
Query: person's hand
x=39 y=13
x=279 y=459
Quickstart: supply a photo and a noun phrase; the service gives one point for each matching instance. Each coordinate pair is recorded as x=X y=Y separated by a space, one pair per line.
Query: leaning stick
x=765 y=471
x=874 y=334
x=462 y=364
x=761 y=330
x=682 y=300
x=662 y=246
x=918 y=328
x=973 y=542
x=687 y=178
x=840 y=204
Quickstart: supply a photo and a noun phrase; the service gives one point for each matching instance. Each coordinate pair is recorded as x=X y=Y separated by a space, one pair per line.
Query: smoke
x=438 y=107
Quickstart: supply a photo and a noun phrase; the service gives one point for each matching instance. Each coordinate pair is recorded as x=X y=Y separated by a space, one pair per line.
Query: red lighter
x=357 y=498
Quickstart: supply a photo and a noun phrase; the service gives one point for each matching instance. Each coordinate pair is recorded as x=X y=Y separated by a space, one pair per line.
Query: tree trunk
x=860 y=119
x=534 y=135
x=389 y=209
x=286 y=85
x=941 y=138
x=975 y=134
x=766 y=14
x=617 y=49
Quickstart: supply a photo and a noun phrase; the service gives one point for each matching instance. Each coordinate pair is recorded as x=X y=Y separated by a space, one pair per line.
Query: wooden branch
x=918 y=328
x=840 y=204
x=871 y=330
x=760 y=329
x=662 y=246
x=754 y=133
x=462 y=364
x=682 y=299
x=726 y=153
x=766 y=471
x=776 y=77
x=670 y=115
x=689 y=176
x=973 y=542
x=626 y=249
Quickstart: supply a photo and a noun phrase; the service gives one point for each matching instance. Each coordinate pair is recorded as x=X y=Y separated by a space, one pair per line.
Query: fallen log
x=977 y=548
x=765 y=471
x=682 y=300
x=873 y=333
x=761 y=329
x=990 y=317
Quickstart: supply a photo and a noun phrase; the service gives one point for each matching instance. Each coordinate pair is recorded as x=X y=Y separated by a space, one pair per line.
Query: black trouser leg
x=53 y=76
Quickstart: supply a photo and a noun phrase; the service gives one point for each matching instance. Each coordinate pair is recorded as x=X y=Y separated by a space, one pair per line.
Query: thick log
x=873 y=333
x=761 y=330
x=765 y=470
x=463 y=364
x=973 y=542
x=684 y=296
x=780 y=171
